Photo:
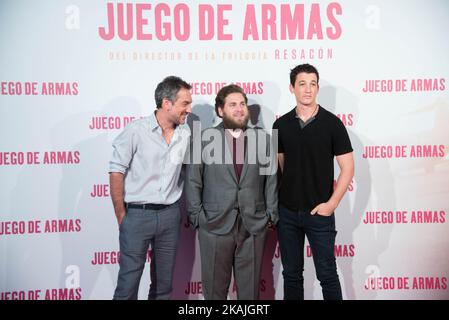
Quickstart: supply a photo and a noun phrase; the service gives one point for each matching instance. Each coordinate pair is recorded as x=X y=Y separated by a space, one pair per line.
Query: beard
x=232 y=124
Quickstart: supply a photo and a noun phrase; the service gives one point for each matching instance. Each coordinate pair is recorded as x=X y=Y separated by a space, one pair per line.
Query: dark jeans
x=320 y=232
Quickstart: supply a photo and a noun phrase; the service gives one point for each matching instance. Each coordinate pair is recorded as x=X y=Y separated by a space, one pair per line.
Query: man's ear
x=292 y=90
x=166 y=104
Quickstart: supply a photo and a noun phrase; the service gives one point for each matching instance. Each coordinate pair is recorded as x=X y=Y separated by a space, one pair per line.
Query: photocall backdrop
x=74 y=73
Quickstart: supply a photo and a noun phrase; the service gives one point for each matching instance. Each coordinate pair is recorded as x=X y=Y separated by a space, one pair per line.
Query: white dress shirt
x=153 y=169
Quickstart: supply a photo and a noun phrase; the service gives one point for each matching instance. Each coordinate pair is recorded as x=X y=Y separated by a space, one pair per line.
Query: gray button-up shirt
x=153 y=169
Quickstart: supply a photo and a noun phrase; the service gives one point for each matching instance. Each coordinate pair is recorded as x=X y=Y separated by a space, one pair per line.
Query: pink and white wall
x=74 y=73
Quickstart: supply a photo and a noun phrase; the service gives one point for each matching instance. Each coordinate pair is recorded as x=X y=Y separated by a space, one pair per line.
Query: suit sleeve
x=193 y=192
x=271 y=192
x=276 y=134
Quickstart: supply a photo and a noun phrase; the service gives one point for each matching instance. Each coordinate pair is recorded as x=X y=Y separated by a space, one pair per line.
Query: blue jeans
x=138 y=230
x=320 y=232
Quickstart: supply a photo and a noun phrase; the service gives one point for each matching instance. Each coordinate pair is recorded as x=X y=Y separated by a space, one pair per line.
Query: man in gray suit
x=232 y=198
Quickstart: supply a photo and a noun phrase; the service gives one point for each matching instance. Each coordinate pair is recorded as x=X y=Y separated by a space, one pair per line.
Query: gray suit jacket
x=215 y=196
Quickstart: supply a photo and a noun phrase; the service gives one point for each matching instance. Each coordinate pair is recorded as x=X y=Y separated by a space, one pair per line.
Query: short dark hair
x=307 y=68
x=226 y=91
x=168 y=89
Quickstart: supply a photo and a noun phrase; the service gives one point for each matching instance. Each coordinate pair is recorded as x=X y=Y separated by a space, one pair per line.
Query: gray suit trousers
x=138 y=230
x=237 y=251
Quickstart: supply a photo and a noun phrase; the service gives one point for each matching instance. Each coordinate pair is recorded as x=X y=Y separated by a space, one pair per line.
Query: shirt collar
x=293 y=116
x=154 y=125
x=153 y=121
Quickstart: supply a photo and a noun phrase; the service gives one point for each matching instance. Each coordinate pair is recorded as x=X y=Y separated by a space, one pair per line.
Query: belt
x=147 y=206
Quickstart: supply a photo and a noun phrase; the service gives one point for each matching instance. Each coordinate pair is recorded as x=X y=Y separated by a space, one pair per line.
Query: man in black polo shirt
x=309 y=138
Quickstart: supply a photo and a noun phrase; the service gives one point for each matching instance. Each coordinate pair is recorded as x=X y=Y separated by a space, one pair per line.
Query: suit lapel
x=228 y=154
x=245 y=163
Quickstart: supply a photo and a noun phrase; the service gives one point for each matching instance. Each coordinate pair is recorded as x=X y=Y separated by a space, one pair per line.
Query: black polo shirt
x=308 y=174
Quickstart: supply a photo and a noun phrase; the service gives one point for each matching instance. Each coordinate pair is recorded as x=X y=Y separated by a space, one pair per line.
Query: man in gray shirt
x=146 y=182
